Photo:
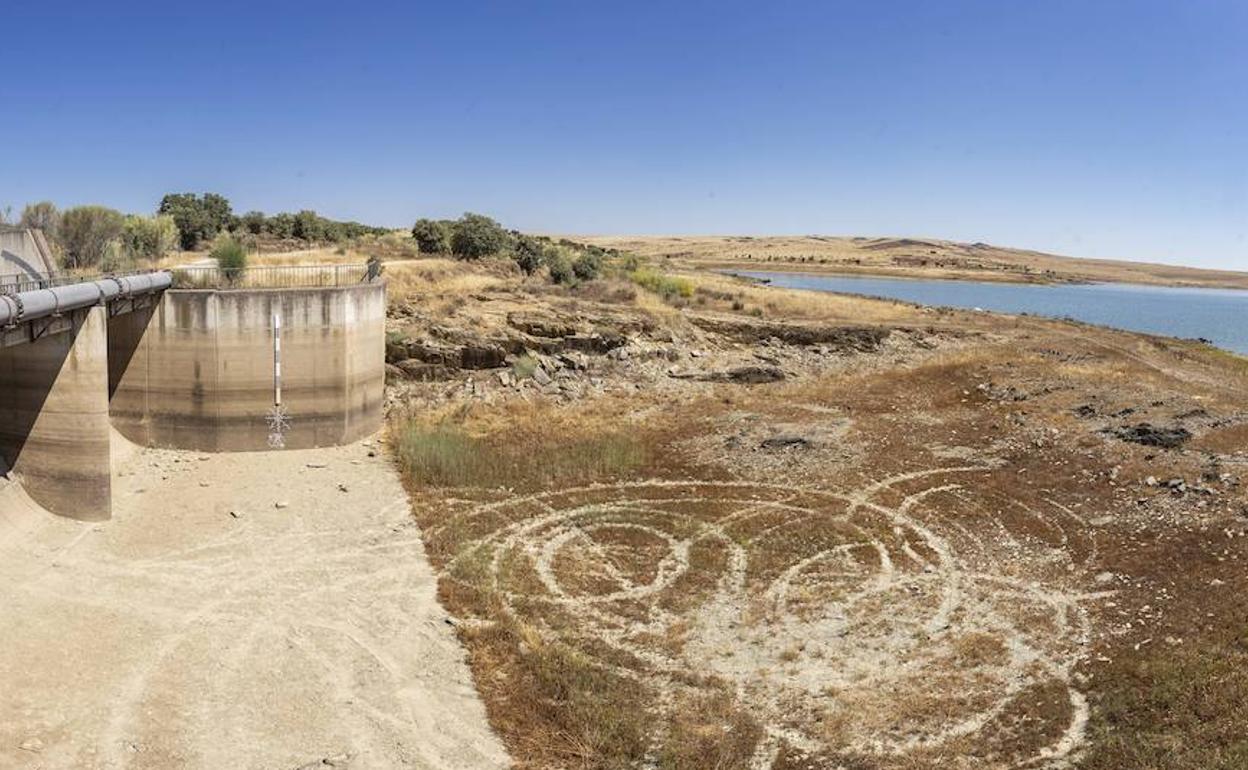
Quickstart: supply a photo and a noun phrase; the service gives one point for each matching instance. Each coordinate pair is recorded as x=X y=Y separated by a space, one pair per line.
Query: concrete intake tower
x=194 y=358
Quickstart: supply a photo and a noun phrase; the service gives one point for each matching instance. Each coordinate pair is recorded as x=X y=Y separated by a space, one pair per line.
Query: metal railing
x=15 y=284
x=278 y=277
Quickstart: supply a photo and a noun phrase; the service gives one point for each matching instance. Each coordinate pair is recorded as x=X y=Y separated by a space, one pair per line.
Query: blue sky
x=1093 y=128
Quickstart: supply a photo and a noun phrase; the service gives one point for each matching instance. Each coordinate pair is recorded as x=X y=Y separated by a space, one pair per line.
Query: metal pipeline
x=41 y=303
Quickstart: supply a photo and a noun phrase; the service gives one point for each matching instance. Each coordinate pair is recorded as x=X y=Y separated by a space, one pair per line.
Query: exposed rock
x=541 y=377
x=482 y=357
x=426 y=372
x=598 y=342
x=785 y=442
x=1149 y=435
x=751 y=375
x=541 y=325
x=746 y=375
x=839 y=338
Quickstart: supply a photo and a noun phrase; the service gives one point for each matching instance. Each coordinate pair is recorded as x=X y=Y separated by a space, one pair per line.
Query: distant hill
x=912 y=257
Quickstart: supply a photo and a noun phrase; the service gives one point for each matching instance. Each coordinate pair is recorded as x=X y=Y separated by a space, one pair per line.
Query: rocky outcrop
x=1152 y=435
x=858 y=339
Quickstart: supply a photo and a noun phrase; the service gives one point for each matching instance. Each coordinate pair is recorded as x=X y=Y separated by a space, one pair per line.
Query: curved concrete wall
x=196 y=371
x=54 y=416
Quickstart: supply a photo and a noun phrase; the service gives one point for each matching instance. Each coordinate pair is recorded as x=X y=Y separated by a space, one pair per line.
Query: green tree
x=432 y=236
x=528 y=252
x=253 y=222
x=192 y=219
x=219 y=213
x=281 y=225
x=308 y=226
x=149 y=238
x=475 y=236
x=87 y=232
x=588 y=265
x=42 y=216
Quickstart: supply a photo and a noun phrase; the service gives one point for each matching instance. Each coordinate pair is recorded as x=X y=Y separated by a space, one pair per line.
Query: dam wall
x=196 y=371
x=54 y=416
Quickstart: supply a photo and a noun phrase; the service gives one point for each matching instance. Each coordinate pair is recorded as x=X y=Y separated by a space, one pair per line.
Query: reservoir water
x=1218 y=315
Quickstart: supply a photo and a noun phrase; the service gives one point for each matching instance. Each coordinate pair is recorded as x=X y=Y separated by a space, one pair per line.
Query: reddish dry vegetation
x=946 y=558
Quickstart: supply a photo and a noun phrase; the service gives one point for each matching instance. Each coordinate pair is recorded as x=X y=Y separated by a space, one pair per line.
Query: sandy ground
x=239 y=611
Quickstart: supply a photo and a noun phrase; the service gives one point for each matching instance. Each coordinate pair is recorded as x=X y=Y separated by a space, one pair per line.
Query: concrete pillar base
x=54 y=424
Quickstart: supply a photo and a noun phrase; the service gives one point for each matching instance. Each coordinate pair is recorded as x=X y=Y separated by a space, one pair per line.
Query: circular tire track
x=843 y=624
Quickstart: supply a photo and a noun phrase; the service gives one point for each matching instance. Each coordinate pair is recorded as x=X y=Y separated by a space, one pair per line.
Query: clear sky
x=1115 y=128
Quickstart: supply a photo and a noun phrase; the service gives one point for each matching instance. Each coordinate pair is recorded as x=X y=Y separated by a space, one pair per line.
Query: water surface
x=1218 y=315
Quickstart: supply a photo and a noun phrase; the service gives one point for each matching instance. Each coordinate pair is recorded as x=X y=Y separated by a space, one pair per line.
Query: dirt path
x=239 y=611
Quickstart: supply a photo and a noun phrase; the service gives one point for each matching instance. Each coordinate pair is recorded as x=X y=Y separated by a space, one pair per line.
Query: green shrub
x=665 y=286
x=529 y=253
x=560 y=266
x=475 y=236
x=588 y=266
x=149 y=238
x=524 y=367
x=87 y=232
x=231 y=257
x=432 y=236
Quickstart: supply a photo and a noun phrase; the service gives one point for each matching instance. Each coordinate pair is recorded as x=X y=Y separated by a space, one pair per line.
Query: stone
x=1150 y=435
x=426 y=372
x=482 y=357
x=786 y=442
x=33 y=745
x=541 y=377
x=541 y=325
x=281 y=504
x=754 y=374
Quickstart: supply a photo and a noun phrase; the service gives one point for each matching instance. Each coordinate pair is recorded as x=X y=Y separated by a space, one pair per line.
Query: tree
x=432 y=236
x=219 y=213
x=475 y=236
x=198 y=219
x=308 y=226
x=149 y=238
x=87 y=232
x=193 y=222
x=529 y=253
x=42 y=216
x=281 y=225
x=252 y=222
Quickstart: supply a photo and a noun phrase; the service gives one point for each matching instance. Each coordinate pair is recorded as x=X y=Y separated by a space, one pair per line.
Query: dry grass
x=574 y=676
x=441 y=277
x=926 y=257
x=448 y=456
